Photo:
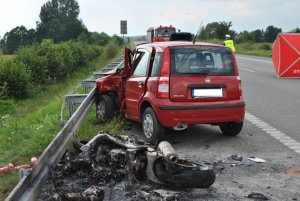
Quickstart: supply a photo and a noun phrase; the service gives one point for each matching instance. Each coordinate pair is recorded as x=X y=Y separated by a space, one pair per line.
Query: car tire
x=231 y=129
x=104 y=108
x=153 y=131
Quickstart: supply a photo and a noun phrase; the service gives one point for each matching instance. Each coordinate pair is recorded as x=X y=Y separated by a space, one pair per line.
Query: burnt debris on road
x=123 y=168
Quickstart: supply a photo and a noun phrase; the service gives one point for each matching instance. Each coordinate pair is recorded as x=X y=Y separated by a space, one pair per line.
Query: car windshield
x=165 y=32
x=201 y=60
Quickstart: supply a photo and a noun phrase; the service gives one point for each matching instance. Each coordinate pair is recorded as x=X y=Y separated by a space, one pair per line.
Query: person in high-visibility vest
x=228 y=42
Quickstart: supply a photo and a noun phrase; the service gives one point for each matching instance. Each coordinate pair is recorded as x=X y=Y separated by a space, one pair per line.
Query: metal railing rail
x=72 y=99
x=29 y=187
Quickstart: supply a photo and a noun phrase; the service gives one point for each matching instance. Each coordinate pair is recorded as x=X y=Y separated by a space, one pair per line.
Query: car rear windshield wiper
x=194 y=73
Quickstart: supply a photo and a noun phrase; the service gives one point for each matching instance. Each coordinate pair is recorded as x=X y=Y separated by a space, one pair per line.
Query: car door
x=136 y=83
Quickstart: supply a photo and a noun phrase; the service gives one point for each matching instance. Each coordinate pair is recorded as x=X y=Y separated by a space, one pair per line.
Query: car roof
x=160 y=46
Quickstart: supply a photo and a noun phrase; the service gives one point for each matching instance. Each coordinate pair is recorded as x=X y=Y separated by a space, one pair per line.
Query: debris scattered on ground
x=257 y=160
x=218 y=167
x=237 y=157
x=207 y=146
x=23 y=170
x=294 y=171
x=258 y=196
x=127 y=125
x=75 y=180
x=114 y=168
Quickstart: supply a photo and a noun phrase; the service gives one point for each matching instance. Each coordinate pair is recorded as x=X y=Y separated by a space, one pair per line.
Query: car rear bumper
x=172 y=115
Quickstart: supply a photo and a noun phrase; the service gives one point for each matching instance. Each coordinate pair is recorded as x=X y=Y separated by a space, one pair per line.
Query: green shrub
x=68 y=63
x=78 y=54
x=15 y=80
x=37 y=64
x=49 y=62
x=3 y=89
x=245 y=46
x=264 y=46
x=111 y=50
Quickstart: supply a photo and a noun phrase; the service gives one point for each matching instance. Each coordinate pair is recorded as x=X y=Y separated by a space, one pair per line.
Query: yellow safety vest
x=229 y=43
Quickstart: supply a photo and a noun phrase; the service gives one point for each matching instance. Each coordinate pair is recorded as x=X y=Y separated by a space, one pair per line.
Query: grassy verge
x=6 y=57
x=257 y=49
x=28 y=126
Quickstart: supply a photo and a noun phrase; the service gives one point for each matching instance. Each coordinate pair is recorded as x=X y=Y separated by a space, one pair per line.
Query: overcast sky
x=187 y=15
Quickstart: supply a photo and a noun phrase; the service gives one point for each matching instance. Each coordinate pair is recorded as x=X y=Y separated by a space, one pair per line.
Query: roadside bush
x=111 y=50
x=50 y=62
x=55 y=60
x=15 y=80
x=37 y=64
x=41 y=64
x=264 y=46
x=245 y=46
x=78 y=54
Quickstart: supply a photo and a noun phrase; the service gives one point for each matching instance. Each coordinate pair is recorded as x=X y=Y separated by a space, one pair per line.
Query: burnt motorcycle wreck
x=128 y=157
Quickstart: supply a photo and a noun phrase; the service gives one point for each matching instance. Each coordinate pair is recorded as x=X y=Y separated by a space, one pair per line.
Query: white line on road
x=254 y=59
x=245 y=69
x=273 y=132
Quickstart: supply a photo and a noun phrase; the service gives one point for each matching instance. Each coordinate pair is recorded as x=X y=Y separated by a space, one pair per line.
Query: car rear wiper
x=202 y=73
x=194 y=73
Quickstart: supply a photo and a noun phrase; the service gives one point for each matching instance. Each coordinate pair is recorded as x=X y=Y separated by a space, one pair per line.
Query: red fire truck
x=159 y=34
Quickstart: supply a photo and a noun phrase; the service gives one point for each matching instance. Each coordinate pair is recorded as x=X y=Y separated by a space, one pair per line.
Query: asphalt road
x=274 y=100
x=271 y=131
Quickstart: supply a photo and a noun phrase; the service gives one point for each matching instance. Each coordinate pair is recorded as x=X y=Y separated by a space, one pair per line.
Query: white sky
x=187 y=15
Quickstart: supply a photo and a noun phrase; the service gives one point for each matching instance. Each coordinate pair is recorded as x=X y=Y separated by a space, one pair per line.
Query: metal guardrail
x=28 y=189
x=73 y=100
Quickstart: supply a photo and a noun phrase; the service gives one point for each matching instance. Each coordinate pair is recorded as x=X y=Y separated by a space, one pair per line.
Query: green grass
x=28 y=126
x=257 y=49
x=6 y=57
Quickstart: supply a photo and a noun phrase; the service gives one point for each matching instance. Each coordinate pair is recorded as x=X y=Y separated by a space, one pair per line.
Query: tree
x=59 y=21
x=100 y=39
x=216 y=30
x=246 y=37
x=271 y=34
x=17 y=37
x=297 y=30
x=1 y=45
x=258 y=35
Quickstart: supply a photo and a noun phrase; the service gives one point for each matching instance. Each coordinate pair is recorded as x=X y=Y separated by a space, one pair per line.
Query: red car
x=175 y=84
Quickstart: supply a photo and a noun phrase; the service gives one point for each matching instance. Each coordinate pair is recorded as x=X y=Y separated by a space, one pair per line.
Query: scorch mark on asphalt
x=273 y=132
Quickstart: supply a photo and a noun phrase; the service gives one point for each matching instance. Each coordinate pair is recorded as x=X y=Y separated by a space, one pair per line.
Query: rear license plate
x=207 y=93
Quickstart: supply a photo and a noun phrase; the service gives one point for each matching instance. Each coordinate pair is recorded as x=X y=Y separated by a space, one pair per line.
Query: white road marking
x=273 y=132
x=245 y=69
x=254 y=59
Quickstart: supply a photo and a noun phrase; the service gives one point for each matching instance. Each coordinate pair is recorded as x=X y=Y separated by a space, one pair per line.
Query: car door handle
x=140 y=83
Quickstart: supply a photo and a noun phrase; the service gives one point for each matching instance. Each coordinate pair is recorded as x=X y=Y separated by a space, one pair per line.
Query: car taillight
x=163 y=87
x=163 y=81
x=240 y=85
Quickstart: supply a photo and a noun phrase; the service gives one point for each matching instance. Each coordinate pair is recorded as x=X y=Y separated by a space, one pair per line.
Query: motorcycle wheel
x=184 y=174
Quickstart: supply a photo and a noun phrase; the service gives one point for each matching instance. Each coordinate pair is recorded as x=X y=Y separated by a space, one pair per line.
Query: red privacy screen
x=286 y=55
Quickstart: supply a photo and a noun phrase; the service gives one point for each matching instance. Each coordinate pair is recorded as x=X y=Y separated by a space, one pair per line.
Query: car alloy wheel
x=148 y=126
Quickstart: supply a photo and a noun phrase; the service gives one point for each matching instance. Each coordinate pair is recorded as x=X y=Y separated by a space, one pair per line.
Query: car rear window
x=201 y=60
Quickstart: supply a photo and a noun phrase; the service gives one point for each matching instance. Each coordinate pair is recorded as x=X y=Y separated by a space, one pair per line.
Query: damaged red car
x=173 y=85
